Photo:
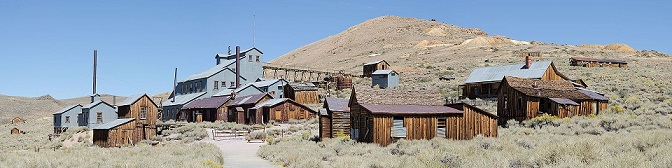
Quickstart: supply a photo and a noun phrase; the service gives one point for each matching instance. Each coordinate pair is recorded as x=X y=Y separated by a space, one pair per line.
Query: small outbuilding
x=17 y=120
x=592 y=62
x=304 y=93
x=16 y=131
x=385 y=79
x=137 y=117
x=115 y=133
x=281 y=110
x=371 y=67
x=334 y=118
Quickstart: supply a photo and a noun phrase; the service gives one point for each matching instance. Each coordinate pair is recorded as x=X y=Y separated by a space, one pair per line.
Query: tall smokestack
x=174 y=86
x=237 y=67
x=528 y=62
x=95 y=61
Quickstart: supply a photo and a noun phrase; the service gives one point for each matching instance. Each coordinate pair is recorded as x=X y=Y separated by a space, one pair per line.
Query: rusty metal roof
x=547 y=89
x=496 y=73
x=211 y=103
x=337 y=104
x=564 y=101
x=243 y=100
x=399 y=97
x=410 y=109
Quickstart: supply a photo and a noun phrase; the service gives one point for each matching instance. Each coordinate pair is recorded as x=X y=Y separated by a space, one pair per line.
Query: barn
x=304 y=93
x=385 y=79
x=137 y=115
x=334 y=118
x=281 y=110
x=485 y=81
x=238 y=108
x=522 y=99
x=385 y=116
x=371 y=67
x=208 y=109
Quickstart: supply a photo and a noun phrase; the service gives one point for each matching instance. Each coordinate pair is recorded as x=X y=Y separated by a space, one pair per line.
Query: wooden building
x=17 y=120
x=137 y=115
x=371 y=67
x=592 y=62
x=485 y=81
x=238 y=108
x=303 y=93
x=384 y=116
x=208 y=109
x=16 y=131
x=280 y=110
x=334 y=118
x=522 y=99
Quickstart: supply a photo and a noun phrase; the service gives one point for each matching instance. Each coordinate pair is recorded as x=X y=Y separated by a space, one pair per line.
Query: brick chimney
x=528 y=62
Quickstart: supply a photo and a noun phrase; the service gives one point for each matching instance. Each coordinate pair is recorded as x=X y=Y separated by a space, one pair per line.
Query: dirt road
x=238 y=153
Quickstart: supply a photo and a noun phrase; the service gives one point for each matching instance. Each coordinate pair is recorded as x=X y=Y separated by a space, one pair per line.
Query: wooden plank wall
x=602 y=105
x=117 y=136
x=469 y=124
x=551 y=74
x=340 y=122
x=325 y=128
x=382 y=130
x=222 y=113
x=306 y=97
x=289 y=110
x=508 y=111
x=420 y=127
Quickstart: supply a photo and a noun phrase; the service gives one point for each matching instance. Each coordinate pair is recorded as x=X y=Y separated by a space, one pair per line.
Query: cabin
x=334 y=118
x=222 y=76
x=592 y=62
x=137 y=115
x=522 y=99
x=303 y=93
x=385 y=79
x=17 y=120
x=66 y=117
x=208 y=109
x=485 y=81
x=371 y=67
x=238 y=108
x=281 y=110
x=97 y=113
x=16 y=131
x=385 y=116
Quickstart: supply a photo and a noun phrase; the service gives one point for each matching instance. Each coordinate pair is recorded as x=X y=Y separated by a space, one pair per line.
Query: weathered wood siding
x=369 y=69
x=340 y=122
x=222 y=113
x=287 y=110
x=325 y=128
x=471 y=123
x=117 y=136
x=306 y=97
x=551 y=74
x=146 y=127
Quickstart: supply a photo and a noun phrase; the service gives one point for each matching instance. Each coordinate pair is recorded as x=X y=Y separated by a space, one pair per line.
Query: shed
x=66 y=117
x=116 y=133
x=207 y=109
x=145 y=113
x=592 y=62
x=522 y=99
x=384 y=116
x=17 y=120
x=334 y=118
x=485 y=81
x=238 y=108
x=16 y=131
x=303 y=93
x=281 y=110
x=371 y=67
x=385 y=79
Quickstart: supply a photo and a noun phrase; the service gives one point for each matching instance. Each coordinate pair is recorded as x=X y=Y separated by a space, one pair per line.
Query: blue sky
x=46 y=47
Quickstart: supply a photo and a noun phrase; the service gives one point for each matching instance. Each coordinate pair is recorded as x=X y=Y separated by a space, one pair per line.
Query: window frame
x=99 y=117
x=143 y=112
x=67 y=119
x=216 y=85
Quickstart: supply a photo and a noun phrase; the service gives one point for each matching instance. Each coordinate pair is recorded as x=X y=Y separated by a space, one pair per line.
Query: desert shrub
x=257 y=135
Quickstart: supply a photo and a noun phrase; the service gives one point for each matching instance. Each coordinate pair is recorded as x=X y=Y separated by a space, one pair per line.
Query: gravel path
x=238 y=153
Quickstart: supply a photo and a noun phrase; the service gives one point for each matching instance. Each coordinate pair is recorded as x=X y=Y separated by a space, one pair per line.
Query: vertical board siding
x=325 y=128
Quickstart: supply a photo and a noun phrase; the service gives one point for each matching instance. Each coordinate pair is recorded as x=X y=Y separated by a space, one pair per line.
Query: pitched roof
x=91 y=105
x=269 y=103
x=547 y=89
x=398 y=97
x=383 y=72
x=375 y=62
x=211 y=103
x=302 y=86
x=268 y=82
x=131 y=99
x=182 y=99
x=212 y=71
x=113 y=124
x=564 y=101
x=63 y=110
x=250 y=99
x=593 y=94
x=409 y=109
x=227 y=92
x=337 y=104
x=583 y=59
x=496 y=73
x=241 y=52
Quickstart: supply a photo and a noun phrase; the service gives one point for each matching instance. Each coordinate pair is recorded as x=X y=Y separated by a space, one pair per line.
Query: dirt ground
x=238 y=152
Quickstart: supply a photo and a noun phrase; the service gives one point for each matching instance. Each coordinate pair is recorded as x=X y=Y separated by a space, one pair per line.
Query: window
x=198 y=86
x=216 y=85
x=99 y=117
x=233 y=84
x=250 y=58
x=279 y=87
x=441 y=127
x=191 y=87
x=223 y=84
x=143 y=112
x=257 y=58
x=67 y=119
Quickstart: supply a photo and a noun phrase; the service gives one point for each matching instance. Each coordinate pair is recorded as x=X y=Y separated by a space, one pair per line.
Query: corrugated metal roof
x=302 y=86
x=323 y=112
x=131 y=99
x=66 y=109
x=564 y=101
x=212 y=71
x=409 y=109
x=211 y=102
x=269 y=103
x=113 y=124
x=593 y=94
x=90 y=105
x=374 y=62
x=496 y=73
x=337 y=104
x=182 y=99
x=250 y=99
x=382 y=72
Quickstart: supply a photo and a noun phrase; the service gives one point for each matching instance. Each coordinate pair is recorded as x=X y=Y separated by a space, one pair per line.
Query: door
x=278 y=115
